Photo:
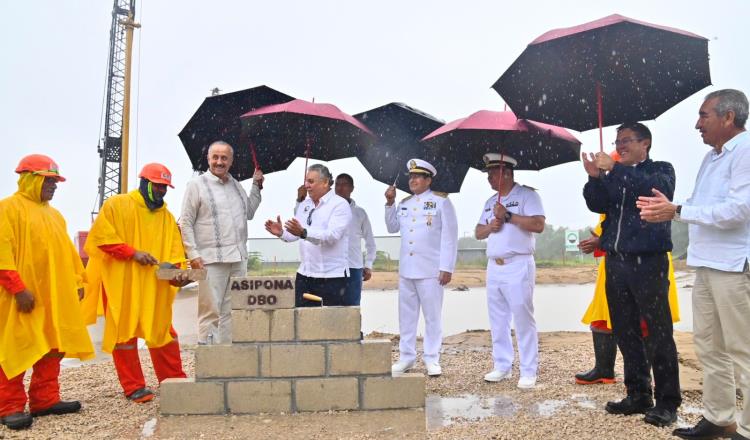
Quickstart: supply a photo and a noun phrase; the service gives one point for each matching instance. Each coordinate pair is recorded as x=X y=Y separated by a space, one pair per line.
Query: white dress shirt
x=214 y=218
x=325 y=251
x=512 y=240
x=719 y=209
x=359 y=229
x=429 y=234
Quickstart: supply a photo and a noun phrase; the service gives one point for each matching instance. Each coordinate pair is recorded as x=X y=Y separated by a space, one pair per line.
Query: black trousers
x=332 y=290
x=638 y=287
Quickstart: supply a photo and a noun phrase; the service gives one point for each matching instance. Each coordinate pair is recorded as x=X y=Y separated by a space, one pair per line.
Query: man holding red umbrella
x=508 y=221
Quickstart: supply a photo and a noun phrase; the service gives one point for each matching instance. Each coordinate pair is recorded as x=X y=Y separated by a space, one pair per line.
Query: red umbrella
x=282 y=132
x=533 y=144
x=617 y=68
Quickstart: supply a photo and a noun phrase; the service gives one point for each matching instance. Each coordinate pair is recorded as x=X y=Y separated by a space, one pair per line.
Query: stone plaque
x=249 y=293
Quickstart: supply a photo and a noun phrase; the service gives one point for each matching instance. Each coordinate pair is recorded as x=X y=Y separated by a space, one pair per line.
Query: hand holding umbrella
x=390 y=195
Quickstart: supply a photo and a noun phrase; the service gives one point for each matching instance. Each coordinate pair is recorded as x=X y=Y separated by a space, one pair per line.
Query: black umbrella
x=533 y=144
x=282 y=132
x=398 y=129
x=623 y=69
x=218 y=118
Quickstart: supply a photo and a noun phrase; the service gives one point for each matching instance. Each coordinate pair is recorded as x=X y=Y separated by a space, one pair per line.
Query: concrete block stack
x=286 y=360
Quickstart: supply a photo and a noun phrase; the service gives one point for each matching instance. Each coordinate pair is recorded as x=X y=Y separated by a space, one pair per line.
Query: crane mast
x=113 y=149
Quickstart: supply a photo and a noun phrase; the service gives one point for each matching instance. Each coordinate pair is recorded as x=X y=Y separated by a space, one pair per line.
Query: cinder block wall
x=290 y=360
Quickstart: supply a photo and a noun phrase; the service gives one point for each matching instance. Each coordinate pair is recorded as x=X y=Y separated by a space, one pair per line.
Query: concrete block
x=328 y=323
x=219 y=361
x=256 y=396
x=327 y=394
x=263 y=325
x=292 y=360
x=186 y=396
x=403 y=391
x=363 y=357
x=249 y=293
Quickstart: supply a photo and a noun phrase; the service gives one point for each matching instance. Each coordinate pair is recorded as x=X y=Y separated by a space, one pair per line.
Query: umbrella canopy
x=218 y=118
x=398 y=129
x=640 y=70
x=533 y=144
x=298 y=128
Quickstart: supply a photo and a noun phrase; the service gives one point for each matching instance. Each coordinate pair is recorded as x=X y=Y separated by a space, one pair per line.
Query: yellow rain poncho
x=138 y=304
x=34 y=242
x=599 y=310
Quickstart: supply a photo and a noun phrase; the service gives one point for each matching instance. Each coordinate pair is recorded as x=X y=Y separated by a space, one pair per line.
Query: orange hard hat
x=41 y=165
x=157 y=173
x=615 y=155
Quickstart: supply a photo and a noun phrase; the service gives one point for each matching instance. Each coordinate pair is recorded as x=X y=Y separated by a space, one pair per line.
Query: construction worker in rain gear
x=41 y=283
x=132 y=234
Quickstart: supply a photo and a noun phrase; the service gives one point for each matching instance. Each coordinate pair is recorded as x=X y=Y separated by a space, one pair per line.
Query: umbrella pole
x=255 y=160
x=307 y=157
x=599 y=111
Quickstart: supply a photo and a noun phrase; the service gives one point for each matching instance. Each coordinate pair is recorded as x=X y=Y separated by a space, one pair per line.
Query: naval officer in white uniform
x=509 y=220
x=429 y=241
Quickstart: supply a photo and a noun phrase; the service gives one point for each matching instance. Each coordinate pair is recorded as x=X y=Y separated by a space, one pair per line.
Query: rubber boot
x=605 y=351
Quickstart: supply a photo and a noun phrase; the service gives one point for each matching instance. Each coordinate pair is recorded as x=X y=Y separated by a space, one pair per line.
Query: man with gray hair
x=321 y=224
x=215 y=211
x=718 y=214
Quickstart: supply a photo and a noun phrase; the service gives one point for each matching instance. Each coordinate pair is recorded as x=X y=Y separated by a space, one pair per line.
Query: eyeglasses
x=625 y=141
x=309 y=217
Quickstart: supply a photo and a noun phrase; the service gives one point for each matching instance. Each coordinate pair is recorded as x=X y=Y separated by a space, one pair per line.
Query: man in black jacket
x=637 y=270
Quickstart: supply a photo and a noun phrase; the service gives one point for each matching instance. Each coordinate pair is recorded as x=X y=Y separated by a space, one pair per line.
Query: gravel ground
x=556 y=408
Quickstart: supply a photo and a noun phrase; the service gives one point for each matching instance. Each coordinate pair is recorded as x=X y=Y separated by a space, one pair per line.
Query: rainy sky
x=438 y=56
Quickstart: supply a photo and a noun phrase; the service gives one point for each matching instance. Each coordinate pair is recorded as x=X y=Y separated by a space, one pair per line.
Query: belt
x=507 y=260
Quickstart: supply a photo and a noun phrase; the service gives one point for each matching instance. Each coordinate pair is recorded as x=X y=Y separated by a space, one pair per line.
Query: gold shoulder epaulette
x=407 y=198
x=441 y=194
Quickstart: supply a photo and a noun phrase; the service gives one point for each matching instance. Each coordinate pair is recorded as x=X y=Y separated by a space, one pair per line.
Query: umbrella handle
x=255 y=161
x=599 y=111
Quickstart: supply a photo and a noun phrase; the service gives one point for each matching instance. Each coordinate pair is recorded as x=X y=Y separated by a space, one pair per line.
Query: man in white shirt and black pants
x=508 y=221
x=321 y=223
x=429 y=242
x=359 y=229
x=718 y=213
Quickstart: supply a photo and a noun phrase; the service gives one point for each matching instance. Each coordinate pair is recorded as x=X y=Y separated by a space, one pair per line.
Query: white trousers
x=414 y=294
x=721 y=325
x=510 y=294
x=215 y=302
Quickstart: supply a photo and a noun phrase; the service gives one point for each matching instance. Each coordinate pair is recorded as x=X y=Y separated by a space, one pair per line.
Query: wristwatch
x=303 y=235
x=677 y=212
x=507 y=216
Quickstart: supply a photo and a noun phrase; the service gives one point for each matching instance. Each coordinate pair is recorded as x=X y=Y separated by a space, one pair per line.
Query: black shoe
x=705 y=430
x=141 y=395
x=594 y=376
x=19 y=420
x=630 y=405
x=660 y=416
x=605 y=351
x=60 y=407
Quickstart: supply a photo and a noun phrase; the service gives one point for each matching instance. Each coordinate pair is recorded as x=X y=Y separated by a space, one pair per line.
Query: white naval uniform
x=510 y=285
x=429 y=241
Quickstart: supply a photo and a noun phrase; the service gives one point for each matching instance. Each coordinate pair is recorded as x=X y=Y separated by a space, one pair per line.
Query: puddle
x=584 y=401
x=548 y=408
x=443 y=411
x=148 y=428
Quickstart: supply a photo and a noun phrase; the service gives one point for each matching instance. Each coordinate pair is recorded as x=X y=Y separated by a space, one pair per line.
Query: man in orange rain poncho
x=41 y=281
x=597 y=315
x=131 y=235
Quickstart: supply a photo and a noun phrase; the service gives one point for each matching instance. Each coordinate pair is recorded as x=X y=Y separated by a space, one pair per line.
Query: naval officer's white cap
x=420 y=166
x=494 y=160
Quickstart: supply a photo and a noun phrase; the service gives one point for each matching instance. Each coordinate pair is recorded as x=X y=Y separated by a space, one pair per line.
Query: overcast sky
x=438 y=56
